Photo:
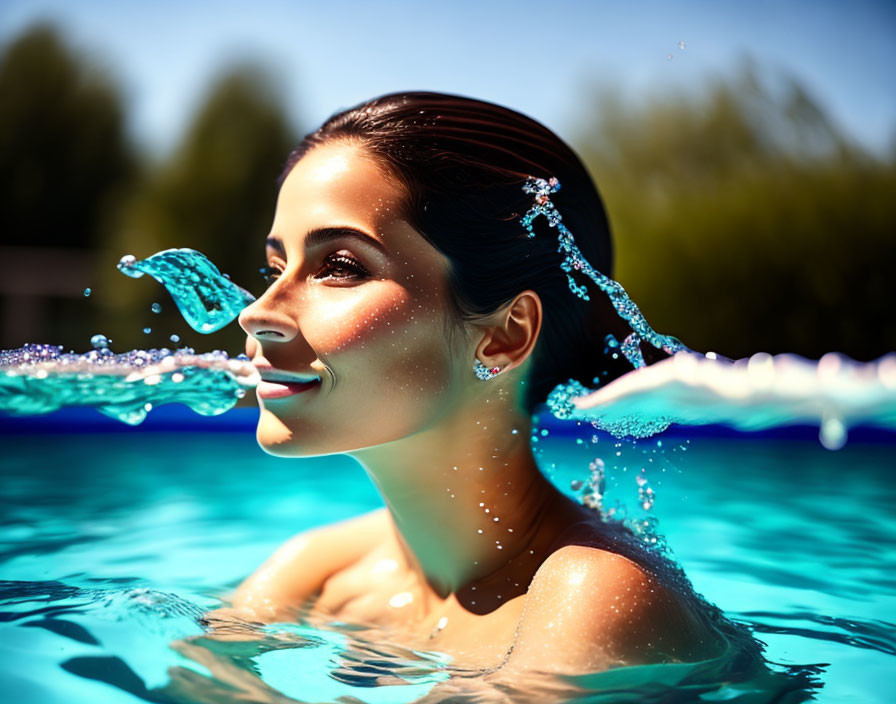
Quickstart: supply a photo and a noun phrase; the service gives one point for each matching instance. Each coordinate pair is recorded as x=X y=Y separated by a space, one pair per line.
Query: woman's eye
x=341 y=266
x=335 y=266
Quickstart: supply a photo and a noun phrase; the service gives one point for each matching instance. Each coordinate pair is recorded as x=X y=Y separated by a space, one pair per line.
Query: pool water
x=113 y=545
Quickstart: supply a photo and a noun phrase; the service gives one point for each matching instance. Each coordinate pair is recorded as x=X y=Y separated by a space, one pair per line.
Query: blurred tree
x=744 y=221
x=216 y=194
x=67 y=166
x=64 y=155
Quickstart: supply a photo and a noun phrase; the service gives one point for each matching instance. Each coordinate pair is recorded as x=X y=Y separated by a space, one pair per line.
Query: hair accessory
x=574 y=261
x=483 y=373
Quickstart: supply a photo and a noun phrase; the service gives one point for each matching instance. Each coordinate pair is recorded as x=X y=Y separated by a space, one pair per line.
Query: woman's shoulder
x=301 y=565
x=589 y=608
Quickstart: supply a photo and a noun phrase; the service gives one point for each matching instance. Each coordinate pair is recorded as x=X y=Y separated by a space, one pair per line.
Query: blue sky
x=532 y=56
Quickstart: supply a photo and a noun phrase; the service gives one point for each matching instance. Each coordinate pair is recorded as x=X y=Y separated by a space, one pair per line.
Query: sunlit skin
x=476 y=553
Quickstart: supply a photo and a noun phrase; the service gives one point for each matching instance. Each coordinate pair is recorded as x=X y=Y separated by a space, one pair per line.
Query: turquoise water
x=113 y=545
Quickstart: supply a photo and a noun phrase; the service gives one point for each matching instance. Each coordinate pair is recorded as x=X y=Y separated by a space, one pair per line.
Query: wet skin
x=363 y=358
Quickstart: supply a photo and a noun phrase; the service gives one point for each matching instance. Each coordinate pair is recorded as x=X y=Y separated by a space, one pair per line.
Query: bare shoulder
x=300 y=566
x=588 y=609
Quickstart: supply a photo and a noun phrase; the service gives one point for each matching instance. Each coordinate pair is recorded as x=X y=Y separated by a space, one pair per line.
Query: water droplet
x=87 y=292
x=99 y=342
x=146 y=331
x=832 y=433
x=126 y=266
x=575 y=484
x=156 y=307
x=175 y=338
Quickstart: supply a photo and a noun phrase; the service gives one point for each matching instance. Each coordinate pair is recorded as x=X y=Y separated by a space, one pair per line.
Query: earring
x=483 y=373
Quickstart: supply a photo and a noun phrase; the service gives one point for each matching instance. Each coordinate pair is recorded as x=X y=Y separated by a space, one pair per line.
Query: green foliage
x=744 y=221
x=64 y=155
x=67 y=168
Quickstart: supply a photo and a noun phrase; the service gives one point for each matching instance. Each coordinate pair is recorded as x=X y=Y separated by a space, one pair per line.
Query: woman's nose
x=267 y=325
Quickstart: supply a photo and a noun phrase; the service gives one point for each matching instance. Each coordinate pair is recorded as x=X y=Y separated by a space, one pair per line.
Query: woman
x=412 y=323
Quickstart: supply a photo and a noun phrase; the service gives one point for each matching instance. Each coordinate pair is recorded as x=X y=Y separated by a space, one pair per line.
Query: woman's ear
x=509 y=341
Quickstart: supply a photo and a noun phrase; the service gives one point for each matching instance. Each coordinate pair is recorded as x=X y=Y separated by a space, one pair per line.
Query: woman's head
x=437 y=179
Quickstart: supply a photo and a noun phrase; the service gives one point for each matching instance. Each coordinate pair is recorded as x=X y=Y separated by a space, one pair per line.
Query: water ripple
x=869 y=634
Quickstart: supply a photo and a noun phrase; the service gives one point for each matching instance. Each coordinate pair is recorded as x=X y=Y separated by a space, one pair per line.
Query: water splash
x=41 y=379
x=207 y=299
x=574 y=261
x=763 y=391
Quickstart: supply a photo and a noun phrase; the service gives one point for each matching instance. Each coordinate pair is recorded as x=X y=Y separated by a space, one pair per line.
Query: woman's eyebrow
x=323 y=235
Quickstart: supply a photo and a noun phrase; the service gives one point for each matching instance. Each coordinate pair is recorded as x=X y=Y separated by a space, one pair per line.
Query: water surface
x=112 y=546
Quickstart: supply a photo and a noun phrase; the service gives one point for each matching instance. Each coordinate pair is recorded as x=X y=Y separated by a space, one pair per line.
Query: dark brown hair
x=463 y=163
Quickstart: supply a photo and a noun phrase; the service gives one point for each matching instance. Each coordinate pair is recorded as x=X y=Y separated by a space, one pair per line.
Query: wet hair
x=462 y=163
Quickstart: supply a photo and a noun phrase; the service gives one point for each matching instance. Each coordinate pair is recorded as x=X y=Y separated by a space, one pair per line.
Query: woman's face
x=357 y=304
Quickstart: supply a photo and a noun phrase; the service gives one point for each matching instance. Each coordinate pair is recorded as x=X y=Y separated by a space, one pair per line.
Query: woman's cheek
x=381 y=340
x=342 y=319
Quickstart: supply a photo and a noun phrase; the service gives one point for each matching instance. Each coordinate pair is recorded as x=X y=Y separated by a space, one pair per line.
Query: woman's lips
x=282 y=389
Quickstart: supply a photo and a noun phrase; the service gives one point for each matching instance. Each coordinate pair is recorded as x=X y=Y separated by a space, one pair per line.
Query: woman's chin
x=274 y=436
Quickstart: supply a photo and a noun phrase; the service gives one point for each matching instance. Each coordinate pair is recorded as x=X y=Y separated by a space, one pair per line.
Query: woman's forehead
x=340 y=185
x=339 y=181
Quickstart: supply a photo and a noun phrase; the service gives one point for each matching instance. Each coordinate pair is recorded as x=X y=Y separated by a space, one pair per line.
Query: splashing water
x=41 y=379
x=763 y=391
x=574 y=261
x=206 y=299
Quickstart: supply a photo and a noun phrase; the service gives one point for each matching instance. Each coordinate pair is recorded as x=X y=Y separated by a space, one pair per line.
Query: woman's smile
x=282 y=389
x=276 y=383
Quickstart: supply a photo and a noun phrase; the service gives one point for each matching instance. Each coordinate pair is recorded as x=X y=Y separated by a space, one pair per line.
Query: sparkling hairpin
x=574 y=261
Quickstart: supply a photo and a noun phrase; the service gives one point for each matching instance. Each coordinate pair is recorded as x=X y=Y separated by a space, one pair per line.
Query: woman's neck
x=470 y=505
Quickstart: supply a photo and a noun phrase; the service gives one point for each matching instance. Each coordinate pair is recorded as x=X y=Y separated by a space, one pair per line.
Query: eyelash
x=271 y=274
